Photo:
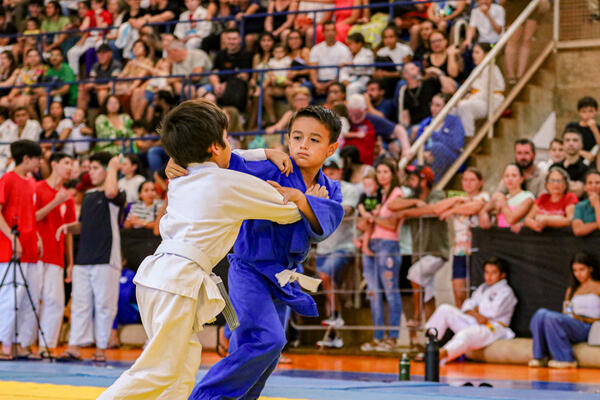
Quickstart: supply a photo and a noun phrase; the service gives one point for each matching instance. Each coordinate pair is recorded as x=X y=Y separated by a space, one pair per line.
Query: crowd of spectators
x=117 y=80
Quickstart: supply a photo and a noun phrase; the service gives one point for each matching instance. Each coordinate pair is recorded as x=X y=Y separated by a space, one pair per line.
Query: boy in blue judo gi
x=267 y=260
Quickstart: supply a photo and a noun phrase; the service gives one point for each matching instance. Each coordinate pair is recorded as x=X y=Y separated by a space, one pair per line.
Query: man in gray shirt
x=186 y=62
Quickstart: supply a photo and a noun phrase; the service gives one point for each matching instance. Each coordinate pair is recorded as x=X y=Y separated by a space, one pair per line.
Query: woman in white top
x=475 y=104
x=554 y=332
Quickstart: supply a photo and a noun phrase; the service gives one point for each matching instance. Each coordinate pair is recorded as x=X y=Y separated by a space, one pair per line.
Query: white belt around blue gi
x=290 y=275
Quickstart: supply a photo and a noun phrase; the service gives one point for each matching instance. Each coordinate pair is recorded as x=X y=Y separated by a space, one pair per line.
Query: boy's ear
x=332 y=148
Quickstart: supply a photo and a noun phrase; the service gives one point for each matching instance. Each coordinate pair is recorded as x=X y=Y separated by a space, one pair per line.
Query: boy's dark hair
x=340 y=85
x=22 y=148
x=59 y=50
x=498 y=262
x=4 y=112
x=324 y=116
x=102 y=157
x=138 y=123
x=356 y=37
x=231 y=30
x=556 y=140
x=190 y=129
x=330 y=22
x=58 y=156
x=587 y=101
x=573 y=131
x=527 y=142
x=135 y=160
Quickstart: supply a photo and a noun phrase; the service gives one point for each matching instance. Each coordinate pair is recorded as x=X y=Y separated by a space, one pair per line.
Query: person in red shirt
x=54 y=207
x=555 y=208
x=17 y=198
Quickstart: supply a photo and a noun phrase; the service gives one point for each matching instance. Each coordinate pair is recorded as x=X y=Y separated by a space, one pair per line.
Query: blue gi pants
x=553 y=334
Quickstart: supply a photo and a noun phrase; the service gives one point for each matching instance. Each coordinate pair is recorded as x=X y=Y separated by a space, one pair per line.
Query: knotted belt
x=290 y=275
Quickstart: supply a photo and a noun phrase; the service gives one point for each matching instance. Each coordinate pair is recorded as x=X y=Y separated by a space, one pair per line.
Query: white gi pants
x=167 y=367
x=468 y=334
x=53 y=304
x=94 y=302
x=474 y=108
x=77 y=51
x=28 y=328
x=423 y=273
x=7 y=305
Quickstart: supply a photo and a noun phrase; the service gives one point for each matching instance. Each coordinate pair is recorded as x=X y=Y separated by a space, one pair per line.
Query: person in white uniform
x=175 y=291
x=484 y=317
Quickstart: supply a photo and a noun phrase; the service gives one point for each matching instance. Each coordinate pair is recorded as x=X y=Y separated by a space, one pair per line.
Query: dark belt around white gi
x=198 y=256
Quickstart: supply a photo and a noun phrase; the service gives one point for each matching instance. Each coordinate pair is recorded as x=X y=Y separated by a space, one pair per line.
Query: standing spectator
x=98 y=262
x=587 y=212
x=445 y=144
x=337 y=252
x=535 y=178
x=192 y=33
x=464 y=212
x=112 y=124
x=54 y=22
x=487 y=23
x=555 y=208
x=62 y=75
x=382 y=270
x=443 y=60
x=557 y=155
x=103 y=70
x=355 y=78
x=587 y=108
x=510 y=210
x=377 y=104
x=328 y=52
x=280 y=25
x=475 y=104
x=131 y=180
x=553 y=332
x=573 y=163
x=414 y=100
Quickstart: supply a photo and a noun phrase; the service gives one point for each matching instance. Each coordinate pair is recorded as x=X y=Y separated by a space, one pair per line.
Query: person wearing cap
x=337 y=252
x=364 y=127
x=105 y=68
x=430 y=237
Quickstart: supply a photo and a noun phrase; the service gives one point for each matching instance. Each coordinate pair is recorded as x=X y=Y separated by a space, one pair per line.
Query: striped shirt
x=144 y=212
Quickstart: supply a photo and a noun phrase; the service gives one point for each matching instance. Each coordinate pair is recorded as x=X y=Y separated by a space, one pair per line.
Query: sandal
x=68 y=357
x=6 y=357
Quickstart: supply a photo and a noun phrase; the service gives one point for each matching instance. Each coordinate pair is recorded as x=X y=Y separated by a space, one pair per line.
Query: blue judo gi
x=263 y=249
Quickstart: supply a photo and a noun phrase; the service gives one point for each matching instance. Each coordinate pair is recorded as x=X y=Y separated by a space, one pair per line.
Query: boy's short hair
x=324 y=116
x=22 y=148
x=58 y=156
x=573 y=131
x=356 y=37
x=190 y=129
x=59 y=50
x=556 y=140
x=135 y=160
x=587 y=101
x=102 y=157
x=498 y=262
x=138 y=123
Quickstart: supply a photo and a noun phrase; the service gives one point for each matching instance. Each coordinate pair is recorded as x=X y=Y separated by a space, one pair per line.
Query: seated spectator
x=535 y=178
x=328 y=52
x=382 y=270
x=419 y=41
x=9 y=72
x=103 y=70
x=553 y=332
x=482 y=319
x=252 y=26
x=32 y=72
x=79 y=131
x=111 y=123
x=354 y=170
x=336 y=94
x=232 y=89
x=335 y=253
x=364 y=128
x=475 y=105
x=220 y=9
x=27 y=127
x=60 y=74
x=140 y=129
x=8 y=133
x=445 y=144
x=7 y=28
x=127 y=308
x=54 y=22
x=372 y=21
x=27 y=40
x=557 y=155
x=443 y=60
x=48 y=133
x=555 y=208
x=162 y=11
x=463 y=210
x=192 y=33
x=304 y=22
x=587 y=212
x=260 y=60
x=64 y=124
x=487 y=23
x=587 y=108
x=131 y=180
x=96 y=17
x=280 y=25
x=143 y=212
x=136 y=67
x=444 y=14
x=355 y=78
x=392 y=51
x=300 y=55
x=185 y=62
x=145 y=93
x=132 y=22
x=573 y=163
x=377 y=104
x=344 y=19
x=300 y=98
x=510 y=210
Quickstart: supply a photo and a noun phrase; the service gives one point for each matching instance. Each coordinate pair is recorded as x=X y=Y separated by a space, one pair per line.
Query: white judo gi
x=496 y=302
x=175 y=293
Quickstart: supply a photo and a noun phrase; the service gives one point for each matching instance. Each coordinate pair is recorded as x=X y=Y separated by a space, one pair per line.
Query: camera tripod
x=13 y=266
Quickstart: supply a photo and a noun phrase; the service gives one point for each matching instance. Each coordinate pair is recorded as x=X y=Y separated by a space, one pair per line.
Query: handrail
x=419 y=144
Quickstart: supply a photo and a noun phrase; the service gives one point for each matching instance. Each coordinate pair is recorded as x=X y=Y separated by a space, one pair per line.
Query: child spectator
x=487 y=22
x=144 y=211
x=192 y=33
x=587 y=212
x=276 y=82
x=131 y=180
x=368 y=206
x=80 y=131
x=48 y=132
x=557 y=155
x=355 y=78
x=587 y=108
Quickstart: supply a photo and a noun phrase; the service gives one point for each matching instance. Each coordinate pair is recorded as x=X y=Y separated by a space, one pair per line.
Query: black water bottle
x=432 y=356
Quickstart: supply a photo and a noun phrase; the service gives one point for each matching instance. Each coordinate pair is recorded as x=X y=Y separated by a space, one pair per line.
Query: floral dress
x=105 y=130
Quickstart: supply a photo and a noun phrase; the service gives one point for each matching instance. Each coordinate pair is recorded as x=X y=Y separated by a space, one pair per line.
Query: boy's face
x=309 y=143
x=127 y=167
x=78 y=116
x=278 y=52
x=587 y=113
x=557 y=152
x=63 y=168
x=221 y=155
x=97 y=173
x=370 y=185
x=21 y=118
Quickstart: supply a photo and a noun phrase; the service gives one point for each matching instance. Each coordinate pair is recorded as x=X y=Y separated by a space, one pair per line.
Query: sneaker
x=562 y=364
x=370 y=346
x=386 y=345
x=335 y=343
x=334 y=322
x=535 y=363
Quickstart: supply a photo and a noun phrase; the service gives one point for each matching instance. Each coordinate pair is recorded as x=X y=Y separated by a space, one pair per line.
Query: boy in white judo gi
x=484 y=317
x=205 y=211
